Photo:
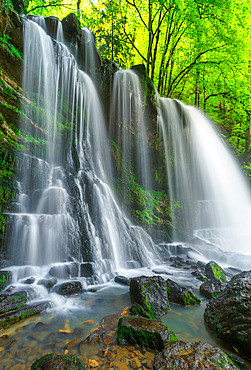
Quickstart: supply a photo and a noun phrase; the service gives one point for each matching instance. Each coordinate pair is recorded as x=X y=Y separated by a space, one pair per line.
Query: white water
x=65 y=205
x=209 y=196
x=129 y=129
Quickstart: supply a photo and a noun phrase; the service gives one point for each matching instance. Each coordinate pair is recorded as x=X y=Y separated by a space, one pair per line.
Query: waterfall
x=129 y=129
x=210 y=198
x=65 y=207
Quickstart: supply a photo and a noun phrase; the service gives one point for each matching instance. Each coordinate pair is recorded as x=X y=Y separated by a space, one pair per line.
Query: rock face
x=52 y=361
x=180 y=295
x=182 y=355
x=151 y=294
x=214 y=271
x=144 y=332
x=228 y=314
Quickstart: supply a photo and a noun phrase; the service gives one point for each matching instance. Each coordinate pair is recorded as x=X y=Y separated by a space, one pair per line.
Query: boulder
x=47 y=283
x=151 y=294
x=184 y=355
x=211 y=288
x=144 y=332
x=60 y=271
x=228 y=314
x=71 y=24
x=214 y=271
x=86 y=269
x=53 y=361
x=30 y=280
x=68 y=288
x=180 y=295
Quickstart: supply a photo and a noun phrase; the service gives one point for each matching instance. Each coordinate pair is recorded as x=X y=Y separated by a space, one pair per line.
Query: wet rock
x=201 y=265
x=86 y=269
x=29 y=280
x=60 y=271
x=47 y=283
x=137 y=310
x=144 y=332
x=5 y=279
x=180 y=295
x=211 y=288
x=93 y=338
x=52 y=24
x=214 y=271
x=11 y=317
x=73 y=269
x=160 y=271
x=122 y=280
x=228 y=314
x=52 y=361
x=177 y=261
x=151 y=294
x=184 y=355
x=68 y=288
x=10 y=302
x=199 y=275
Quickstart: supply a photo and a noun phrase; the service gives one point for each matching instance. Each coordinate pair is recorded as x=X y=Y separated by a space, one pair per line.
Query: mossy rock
x=180 y=295
x=14 y=301
x=68 y=288
x=144 y=332
x=185 y=355
x=53 y=362
x=214 y=271
x=151 y=294
x=228 y=314
x=5 y=279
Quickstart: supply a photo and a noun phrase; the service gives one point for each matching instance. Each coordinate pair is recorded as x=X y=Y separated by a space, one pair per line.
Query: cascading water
x=209 y=197
x=130 y=129
x=65 y=205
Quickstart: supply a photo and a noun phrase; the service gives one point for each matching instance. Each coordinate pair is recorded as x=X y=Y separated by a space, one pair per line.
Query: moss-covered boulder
x=151 y=294
x=53 y=362
x=180 y=295
x=228 y=314
x=144 y=332
x=211 y=288
x=184 y=355
x=5 y=279
x=214 y=271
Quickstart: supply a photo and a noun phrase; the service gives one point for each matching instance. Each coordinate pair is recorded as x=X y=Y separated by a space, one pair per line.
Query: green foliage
x=7 y=45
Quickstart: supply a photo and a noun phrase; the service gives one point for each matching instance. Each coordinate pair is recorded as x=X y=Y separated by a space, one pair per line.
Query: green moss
x=223 y=361
x=218 y=272
x=173 y=337
x=190 y=298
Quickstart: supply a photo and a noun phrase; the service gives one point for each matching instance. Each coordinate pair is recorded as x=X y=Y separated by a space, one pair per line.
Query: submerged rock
x=68 y=288
x=181 y=355
x=53 y=361
x=228 y=314
x=214 y=271
x=151 y=294
x=144 y=332
x=211 y=288
x=180 y=295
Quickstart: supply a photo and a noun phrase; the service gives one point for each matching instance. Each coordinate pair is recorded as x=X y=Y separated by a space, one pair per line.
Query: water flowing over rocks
x=211 y=288
x=191 y=356
x=228 y=314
